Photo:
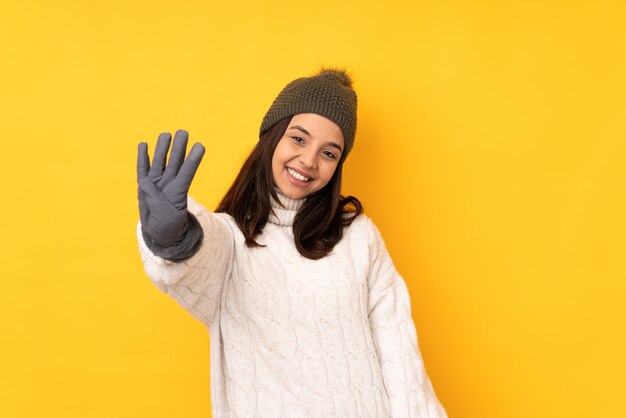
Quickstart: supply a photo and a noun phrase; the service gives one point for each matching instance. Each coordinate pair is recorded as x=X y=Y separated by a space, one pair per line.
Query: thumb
x=144 y=211
x=154 y=197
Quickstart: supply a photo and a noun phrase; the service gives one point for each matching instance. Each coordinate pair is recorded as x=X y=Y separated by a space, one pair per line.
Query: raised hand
x=162 y=190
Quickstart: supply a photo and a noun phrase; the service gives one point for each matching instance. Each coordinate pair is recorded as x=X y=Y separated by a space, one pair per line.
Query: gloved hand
x=162 y=190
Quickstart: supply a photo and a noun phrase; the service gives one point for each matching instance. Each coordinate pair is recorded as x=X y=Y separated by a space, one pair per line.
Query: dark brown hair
x=318 y=225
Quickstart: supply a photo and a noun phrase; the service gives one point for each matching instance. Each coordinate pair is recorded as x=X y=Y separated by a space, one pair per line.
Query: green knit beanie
x=329 y=93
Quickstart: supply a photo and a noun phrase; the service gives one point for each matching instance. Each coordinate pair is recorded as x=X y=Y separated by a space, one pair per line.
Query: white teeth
x=297 y=175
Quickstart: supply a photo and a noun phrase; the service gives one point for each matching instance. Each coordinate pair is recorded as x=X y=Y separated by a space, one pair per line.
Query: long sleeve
x=195 y=282
x=410 y=391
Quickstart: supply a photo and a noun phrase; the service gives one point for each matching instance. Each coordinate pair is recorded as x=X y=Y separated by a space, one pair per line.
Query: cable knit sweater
x=295 y=337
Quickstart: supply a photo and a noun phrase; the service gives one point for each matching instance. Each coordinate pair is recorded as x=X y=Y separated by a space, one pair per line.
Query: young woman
x=307 y=314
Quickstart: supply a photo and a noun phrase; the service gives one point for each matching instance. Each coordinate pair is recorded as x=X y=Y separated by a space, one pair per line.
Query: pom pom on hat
x=345 y=78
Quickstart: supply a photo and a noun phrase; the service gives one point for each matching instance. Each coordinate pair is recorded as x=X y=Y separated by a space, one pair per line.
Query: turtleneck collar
x=284 y=215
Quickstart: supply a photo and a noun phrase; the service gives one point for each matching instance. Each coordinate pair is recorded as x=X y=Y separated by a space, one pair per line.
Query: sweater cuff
x=183 y=249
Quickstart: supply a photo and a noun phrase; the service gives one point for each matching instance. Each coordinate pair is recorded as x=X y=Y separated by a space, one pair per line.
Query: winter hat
x=329 y=93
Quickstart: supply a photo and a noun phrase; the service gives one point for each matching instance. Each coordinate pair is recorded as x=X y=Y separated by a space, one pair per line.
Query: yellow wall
x=490 y=152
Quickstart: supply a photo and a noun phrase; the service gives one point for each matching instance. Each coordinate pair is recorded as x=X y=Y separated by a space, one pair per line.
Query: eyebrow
x=304 y=131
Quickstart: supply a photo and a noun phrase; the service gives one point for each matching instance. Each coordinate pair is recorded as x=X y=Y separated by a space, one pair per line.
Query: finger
x=158 y=162
x=143 y=161
x=144 y=211
x=177 y=155
x=190 y=166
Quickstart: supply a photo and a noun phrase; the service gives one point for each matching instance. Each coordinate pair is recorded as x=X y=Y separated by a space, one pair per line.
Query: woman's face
x=307 y=155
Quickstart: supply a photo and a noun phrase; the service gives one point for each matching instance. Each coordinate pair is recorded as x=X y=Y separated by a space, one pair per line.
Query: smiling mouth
x=293 y=173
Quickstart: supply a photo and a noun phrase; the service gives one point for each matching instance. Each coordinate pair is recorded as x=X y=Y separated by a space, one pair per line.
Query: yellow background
x=490 y=152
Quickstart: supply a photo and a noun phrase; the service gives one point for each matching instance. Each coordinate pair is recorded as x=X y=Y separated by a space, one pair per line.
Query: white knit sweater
x=294 y=337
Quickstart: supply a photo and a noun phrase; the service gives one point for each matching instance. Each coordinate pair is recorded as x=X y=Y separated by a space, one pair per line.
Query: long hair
x=318 y=224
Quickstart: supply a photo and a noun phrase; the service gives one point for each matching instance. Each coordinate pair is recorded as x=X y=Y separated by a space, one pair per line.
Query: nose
x=308 y=158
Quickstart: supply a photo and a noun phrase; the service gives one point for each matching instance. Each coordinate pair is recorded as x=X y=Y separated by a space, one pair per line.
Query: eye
x=297 y=139
x=330 y=155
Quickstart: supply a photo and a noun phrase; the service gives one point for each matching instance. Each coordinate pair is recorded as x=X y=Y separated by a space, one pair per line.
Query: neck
x=284 y=214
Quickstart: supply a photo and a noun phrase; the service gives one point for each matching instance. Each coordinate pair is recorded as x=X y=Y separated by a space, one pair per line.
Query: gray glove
x=162 y=190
